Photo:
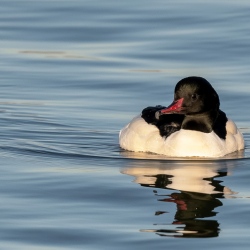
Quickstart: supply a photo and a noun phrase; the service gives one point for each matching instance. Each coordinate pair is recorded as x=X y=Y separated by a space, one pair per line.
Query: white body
x=139 y=136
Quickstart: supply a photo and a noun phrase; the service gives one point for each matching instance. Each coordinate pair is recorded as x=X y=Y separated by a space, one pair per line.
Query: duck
x=191 y=126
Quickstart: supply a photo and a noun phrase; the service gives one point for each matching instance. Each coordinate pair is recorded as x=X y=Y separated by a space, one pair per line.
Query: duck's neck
x=203 y=122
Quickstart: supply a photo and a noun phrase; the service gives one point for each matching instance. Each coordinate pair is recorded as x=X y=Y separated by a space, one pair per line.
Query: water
x=72 y=74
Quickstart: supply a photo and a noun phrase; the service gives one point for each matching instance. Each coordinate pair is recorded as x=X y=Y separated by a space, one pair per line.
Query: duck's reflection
x=194 y=190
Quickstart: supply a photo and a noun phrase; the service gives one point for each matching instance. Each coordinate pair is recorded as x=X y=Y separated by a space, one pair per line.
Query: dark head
x=193 y=95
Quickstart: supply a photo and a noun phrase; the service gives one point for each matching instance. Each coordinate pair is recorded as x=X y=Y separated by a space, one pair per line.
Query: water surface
x=72 y=74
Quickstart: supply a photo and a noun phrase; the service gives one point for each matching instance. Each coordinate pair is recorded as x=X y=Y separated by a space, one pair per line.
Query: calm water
x=72 y=74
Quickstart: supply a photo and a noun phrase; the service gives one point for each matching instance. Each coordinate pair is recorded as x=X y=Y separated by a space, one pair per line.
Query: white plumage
x=139 y=136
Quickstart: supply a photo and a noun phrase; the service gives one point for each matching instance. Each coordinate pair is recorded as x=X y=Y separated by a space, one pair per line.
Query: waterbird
x=191 y=126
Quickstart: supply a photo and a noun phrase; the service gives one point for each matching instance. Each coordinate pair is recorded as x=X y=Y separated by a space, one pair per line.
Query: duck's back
x=140 y=136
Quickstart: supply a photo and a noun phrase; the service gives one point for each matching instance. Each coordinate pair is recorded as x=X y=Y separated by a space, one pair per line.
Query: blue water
x=72 y=74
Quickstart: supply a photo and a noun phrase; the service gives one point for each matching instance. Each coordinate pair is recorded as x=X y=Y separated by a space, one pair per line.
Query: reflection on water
x=195 y=190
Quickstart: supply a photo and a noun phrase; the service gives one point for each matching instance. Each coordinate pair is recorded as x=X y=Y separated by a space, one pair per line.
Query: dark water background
x=72 y=74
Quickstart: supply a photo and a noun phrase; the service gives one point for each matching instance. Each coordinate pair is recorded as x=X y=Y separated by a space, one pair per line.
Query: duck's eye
x=194 y=97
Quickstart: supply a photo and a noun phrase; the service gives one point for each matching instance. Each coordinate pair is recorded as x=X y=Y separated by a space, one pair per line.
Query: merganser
x=192 y=126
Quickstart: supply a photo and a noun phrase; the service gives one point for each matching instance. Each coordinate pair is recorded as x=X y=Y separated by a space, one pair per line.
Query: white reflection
x=182 y=176
x=195 y=187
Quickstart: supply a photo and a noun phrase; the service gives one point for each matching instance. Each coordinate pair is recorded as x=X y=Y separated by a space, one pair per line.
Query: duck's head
x=193 y=95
